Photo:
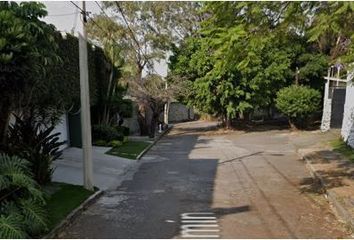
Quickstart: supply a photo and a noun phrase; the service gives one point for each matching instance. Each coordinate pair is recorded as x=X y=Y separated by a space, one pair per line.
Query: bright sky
x=66 y=17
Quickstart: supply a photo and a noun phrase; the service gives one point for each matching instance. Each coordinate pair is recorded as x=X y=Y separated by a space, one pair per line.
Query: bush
x=101 y=143
x=22 y=211
x=30 y=140
x=124 y=130
x=106 y=133
x=298 y=103
x=115 y=143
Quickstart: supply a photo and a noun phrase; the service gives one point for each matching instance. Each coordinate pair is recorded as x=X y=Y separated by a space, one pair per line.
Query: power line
x=60 y=15
x=104 y=12
x=126 y=23
x=75 y=21
x=85 y=13
x=82 y=11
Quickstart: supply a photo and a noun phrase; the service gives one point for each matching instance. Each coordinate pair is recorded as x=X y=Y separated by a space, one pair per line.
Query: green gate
x=75 y=129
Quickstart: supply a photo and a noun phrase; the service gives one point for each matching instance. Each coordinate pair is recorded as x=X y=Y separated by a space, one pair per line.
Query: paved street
x=253 y=184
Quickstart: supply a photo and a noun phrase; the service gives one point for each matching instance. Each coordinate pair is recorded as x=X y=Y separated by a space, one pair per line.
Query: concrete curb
x=331 y=196
x=70 y=218
x=154 y=142
x=83 y=206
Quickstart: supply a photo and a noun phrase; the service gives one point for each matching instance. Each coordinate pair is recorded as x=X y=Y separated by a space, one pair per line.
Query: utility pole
x=85 y=105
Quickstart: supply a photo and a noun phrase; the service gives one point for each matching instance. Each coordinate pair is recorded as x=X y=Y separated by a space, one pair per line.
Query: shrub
x=124 y=130
x=106 y=133
x=298 y=103
x=100 y=143
x=30 y=140
x=22 y=211
x=115 y=143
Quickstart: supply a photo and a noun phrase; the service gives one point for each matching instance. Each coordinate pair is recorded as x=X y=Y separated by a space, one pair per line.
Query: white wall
x=63 y=128
x=347 y=130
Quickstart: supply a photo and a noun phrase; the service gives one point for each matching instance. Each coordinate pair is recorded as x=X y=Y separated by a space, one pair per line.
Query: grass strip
x=63 y=200
x=341 y=147
x=130 y=149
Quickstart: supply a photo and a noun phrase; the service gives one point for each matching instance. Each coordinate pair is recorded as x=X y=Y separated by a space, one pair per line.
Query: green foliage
x=64 y=200
x=243 y=53
x=106 y=133
x=11 y=227
x=39 y=68
x=27 y=48
x=126 y=108
x=22 y=213
x=142 y=32
x=64 y=78
x=298 y=102
x=101 y=143
x=115 y=143
x=124 y=130
x=312 y=68
x=130 y=149
x=341 y=147
x=29 y=139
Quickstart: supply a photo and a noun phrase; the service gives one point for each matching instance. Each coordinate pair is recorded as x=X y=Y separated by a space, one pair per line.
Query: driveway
x=196 y=183
x=108 y=170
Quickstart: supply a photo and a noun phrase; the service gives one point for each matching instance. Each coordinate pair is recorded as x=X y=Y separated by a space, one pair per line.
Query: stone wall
x=326 y=115
x=132 y=123
x=327 y=109
x=179 y=112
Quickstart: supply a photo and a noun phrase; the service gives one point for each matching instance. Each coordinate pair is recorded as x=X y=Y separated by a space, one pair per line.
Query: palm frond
x=4 y=182
x=11 y=227
x=34 y=216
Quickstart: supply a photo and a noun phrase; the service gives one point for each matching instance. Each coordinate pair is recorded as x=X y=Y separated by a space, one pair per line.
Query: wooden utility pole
x=85 y=105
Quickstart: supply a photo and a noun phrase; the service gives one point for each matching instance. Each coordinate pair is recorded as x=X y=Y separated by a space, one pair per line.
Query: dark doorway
x=338 y=100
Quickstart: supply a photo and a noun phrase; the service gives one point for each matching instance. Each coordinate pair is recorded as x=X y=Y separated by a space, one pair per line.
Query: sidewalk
x=335 y=176
x=109 y=171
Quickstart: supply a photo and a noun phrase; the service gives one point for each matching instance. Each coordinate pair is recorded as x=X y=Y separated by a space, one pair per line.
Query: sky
x=66 y=18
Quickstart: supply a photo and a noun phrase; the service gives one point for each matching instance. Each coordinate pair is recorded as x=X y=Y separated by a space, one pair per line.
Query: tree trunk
x=153 y=124
x=270 y=112
x=106 y=110
x=292 y=125
x=144 y=128
x=142 y=113
x=228 y=124
x=166 y=112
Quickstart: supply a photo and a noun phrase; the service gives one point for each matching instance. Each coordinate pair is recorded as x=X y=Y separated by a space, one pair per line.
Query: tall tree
x=145 y=31
x=244 y=54
x=27 y=46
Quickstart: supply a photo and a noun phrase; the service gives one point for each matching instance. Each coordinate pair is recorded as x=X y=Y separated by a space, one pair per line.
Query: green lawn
x=340 y=146
x=63 y=199
x=130 y=149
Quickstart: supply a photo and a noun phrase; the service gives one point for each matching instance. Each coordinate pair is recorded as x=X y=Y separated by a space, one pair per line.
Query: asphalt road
x=252 y=184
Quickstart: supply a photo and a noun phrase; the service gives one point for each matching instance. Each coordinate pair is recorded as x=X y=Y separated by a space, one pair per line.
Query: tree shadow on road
x=172 y=179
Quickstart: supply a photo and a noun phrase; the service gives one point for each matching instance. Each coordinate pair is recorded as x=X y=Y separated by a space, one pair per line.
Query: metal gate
x=338 y=100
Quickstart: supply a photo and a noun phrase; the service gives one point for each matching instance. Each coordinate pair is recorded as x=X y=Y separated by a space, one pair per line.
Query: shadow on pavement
x=172 y=180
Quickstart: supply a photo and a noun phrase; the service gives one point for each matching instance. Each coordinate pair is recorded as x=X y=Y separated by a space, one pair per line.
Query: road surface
x=249 y=185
